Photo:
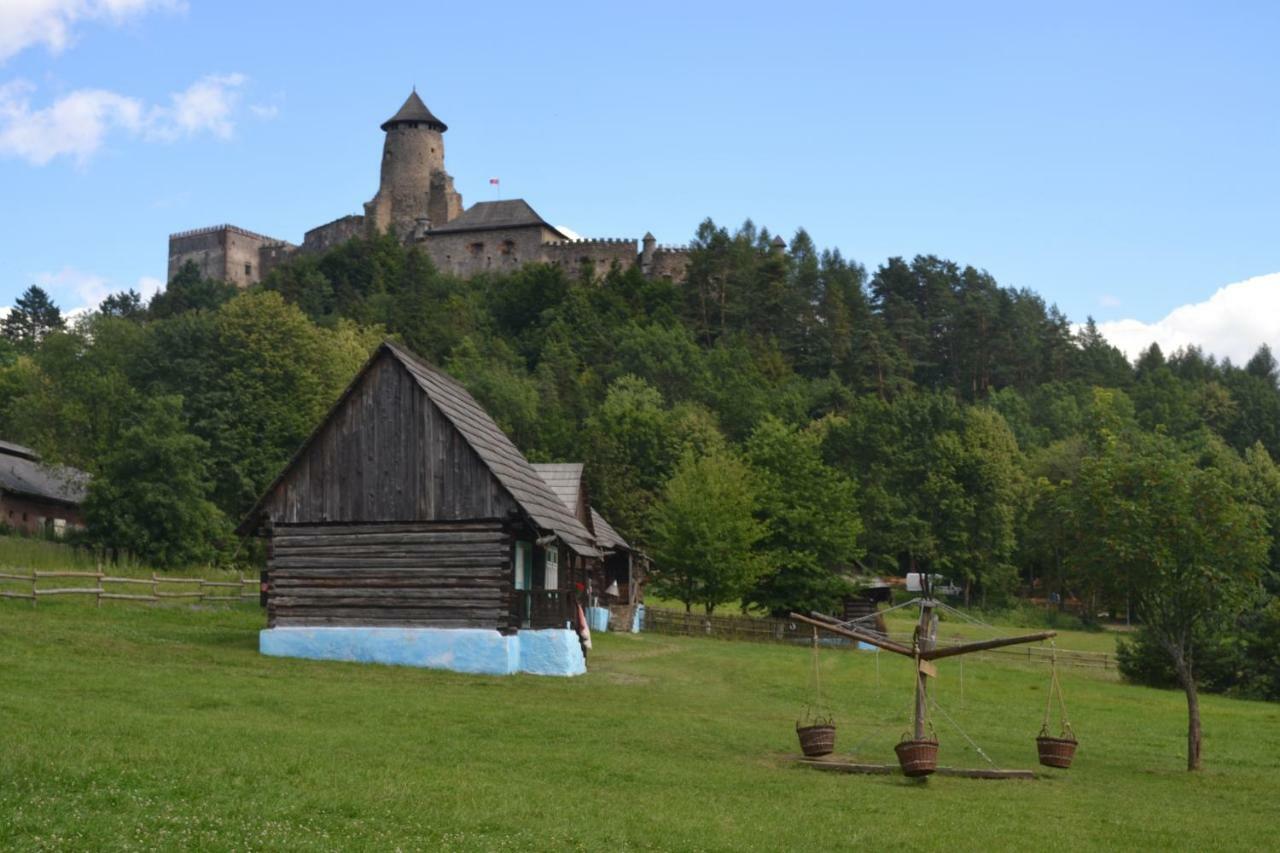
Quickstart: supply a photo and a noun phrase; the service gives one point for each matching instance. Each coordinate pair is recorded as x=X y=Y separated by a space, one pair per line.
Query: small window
x=552 y=577
x=248 y=269
x=476 y=248
x=508 y=246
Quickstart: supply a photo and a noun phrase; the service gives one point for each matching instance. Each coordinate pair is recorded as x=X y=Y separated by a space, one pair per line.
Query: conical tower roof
x=415 y=111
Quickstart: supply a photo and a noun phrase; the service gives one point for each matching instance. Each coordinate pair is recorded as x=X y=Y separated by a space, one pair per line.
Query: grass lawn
x=136 y=727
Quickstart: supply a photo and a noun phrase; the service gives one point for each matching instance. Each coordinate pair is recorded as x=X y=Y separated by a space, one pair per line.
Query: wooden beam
x=839 y=766
x=853 y=634
x=966 y=648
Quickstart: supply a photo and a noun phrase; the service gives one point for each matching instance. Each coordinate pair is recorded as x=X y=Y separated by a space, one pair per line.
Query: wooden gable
x=386 y=453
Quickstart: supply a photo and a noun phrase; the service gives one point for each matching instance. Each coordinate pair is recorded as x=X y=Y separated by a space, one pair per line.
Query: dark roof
x=492 y=215
x=485 y=437
x=496 y=450
x=22 y=473
x=565 y=479
x=606 y=536
x=415 y=110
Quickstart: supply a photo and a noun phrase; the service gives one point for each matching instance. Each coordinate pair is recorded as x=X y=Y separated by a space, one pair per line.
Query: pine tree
x=32 y=317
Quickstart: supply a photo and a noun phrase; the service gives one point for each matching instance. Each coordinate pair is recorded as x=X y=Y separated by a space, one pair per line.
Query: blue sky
x=1120 y=159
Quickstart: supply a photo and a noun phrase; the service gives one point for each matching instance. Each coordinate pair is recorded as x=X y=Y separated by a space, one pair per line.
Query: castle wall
x=601 y=254
x=468 y=253
x=222 y=252
x=324 y=237
x=669 y=262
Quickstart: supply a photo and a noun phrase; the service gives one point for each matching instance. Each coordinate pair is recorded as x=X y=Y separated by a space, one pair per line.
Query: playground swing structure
x=918 y=750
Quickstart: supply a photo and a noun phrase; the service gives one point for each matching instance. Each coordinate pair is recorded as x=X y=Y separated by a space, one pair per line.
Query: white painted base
x=553 y=651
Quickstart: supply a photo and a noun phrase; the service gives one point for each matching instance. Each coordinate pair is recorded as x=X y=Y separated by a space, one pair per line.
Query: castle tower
x=414 y=184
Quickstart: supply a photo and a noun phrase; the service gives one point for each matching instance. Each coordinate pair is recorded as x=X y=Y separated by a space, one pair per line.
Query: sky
x=1118 y=158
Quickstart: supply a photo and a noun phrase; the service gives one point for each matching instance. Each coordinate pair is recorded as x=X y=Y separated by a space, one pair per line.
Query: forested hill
x=920 y=415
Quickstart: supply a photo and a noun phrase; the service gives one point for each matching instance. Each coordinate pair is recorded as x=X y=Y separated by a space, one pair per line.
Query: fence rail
x=764 y=630
x=205 y=589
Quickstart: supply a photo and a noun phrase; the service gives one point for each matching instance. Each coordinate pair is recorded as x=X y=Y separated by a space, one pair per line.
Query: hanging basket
x=917 y=757
x=818 y=740
x=1057 y=751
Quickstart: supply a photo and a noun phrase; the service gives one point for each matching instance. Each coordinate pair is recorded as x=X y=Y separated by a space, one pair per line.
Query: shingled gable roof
x=22 y=473
x=415 y=110
x=484 y=436
x=565 y=479
x=606 y=536
x=493 y=215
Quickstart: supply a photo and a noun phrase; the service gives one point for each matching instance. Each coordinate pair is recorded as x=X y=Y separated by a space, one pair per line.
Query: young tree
x=704 y=533
x=32 y=317
x=149 y=495
x=811 y=514
x=1187 y=537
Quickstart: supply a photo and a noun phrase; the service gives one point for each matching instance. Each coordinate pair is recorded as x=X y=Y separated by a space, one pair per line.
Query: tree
x=811 y=513
x=704 y=532
x=124 y=305
x=149 y=496
x=32 y=317
x=189 y=291
x=1188 y=538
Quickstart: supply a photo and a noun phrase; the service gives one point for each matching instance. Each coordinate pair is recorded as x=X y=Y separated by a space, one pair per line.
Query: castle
x=417 y=201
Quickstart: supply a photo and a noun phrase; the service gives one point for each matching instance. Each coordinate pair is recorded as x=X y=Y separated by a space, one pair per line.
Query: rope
x=849 y=622
x=956 y=726
x=1055 y=688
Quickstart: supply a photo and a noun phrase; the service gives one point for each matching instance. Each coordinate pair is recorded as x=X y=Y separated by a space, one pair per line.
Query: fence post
x=35 y=577
x=155 y=587
x=97 y=600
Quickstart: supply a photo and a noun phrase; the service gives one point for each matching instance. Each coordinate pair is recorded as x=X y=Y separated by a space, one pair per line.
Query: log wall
x=409 y=574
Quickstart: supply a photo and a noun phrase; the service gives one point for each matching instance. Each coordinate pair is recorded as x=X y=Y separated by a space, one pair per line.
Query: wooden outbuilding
x=408 y=508
x=36 y=497
x=622 y=569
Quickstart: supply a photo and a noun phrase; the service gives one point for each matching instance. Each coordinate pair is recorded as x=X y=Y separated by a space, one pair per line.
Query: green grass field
x=137 y=727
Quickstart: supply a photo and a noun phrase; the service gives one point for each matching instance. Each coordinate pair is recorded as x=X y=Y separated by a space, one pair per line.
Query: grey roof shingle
x=494 y=215
x=415 y=110
x=565 y=479
x=496 y=450
x=606 y=536
x=21 y=472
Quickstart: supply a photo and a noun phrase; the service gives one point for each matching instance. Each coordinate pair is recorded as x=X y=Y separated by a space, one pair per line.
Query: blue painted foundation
x=553 y=651
x=598 y=618
x=637 y=622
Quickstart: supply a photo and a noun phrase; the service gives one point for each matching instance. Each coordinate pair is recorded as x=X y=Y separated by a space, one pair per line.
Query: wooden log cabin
x=408 y=529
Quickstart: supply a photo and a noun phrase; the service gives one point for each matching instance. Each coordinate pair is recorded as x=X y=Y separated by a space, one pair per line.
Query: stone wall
x=222 y=252
x=324 y=237
x=669 y=262
x=602 y=254
x=32 y=515
x=468 y=253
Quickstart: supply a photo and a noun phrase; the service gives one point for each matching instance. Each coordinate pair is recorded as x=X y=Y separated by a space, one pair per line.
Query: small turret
x=779 y=245
x=649 y=245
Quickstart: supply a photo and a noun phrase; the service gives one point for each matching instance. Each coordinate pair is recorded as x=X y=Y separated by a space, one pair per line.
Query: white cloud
x=24 y=23
x=78 y=292
x=1232 y=323
x=77 y=124
x=266 y=112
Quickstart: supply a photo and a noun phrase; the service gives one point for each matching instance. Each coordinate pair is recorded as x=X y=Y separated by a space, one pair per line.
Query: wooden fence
x=763 y=630
x=108 y=588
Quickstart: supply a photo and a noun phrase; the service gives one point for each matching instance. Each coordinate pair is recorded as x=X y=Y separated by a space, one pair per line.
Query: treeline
x=775 y=425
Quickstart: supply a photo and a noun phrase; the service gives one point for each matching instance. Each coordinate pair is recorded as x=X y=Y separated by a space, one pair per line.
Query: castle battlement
x=234 y=229
x=587 y=241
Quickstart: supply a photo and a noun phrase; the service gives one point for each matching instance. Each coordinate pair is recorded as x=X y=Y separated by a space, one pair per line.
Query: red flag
x=493 y=181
